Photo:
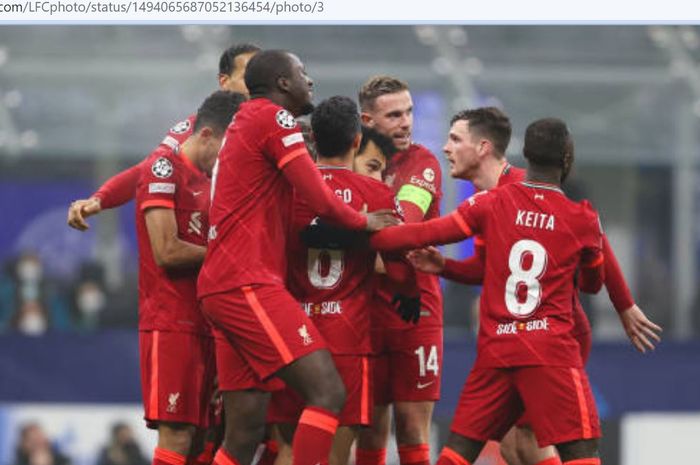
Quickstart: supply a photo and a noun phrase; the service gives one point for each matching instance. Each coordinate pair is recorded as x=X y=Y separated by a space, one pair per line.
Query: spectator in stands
x=34 y=448
x=30 y=319
x=122 y=448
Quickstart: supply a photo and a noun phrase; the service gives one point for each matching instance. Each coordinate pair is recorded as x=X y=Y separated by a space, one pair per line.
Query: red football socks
x=418 y=454
x=314 y=436
x=269 y=454
x=223 y=458
x=550 y=461
x=168 y=457
x=450 y=457
x=370 y=456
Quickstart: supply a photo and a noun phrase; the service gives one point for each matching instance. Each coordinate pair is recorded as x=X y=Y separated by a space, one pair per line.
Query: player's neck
x=344 y=161
x=489 y=173
x=544 y=175
x=188 y=150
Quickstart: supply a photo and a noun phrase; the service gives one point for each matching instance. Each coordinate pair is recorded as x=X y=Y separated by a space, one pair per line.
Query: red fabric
x=370 y=456
x=120 y=188
x=443 y=230
x=168 y=457
x=224 y=458
x=264 y=325
x=335 y=287
x=615 y=283
x=591 y=461
x=419 y=168
x=450 y=457
x=314 y=437
x=469 y=271
x=417 y=454
x=170 y=392
x=259 y=165
x=409 y=365
x=168 y=299
x=558 y=400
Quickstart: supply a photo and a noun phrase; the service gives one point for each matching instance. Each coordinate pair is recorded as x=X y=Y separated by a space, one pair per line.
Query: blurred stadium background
x=78 y=104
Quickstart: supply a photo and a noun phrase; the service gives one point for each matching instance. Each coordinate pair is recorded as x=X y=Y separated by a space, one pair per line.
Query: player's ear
x=366 y=120
x=206 y=132
x=223 y=79
x=356 y=142
x=283 y=83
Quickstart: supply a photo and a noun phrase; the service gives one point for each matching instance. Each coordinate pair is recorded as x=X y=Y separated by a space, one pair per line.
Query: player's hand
x=82 y=209
x=408 y=307
x=641 y=330
x=380 y=219
x=427 y=260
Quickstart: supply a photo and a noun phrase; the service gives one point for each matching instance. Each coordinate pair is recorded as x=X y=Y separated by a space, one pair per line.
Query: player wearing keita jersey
x=175 y=343
x=536 y=240
x=121 y=188
x=261 y=167
x=408 y=356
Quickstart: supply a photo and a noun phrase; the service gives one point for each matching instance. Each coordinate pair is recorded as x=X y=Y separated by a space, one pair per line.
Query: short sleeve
x=423 y=181
x=283 y=138
x=471 y=214
x=157 y=182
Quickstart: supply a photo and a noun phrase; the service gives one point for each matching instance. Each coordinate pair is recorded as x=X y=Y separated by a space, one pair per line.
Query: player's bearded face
x=301 y=88
x=392 y=115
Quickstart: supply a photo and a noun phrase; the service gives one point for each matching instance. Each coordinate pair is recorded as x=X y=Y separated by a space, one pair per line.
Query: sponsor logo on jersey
x=181 y=127
x=212 y=233
x=292 y=139
x=305 y=336
x=161 y=188
x=172 y=402
x=333 y=307
x=415 y=180
x=285 y=119
x=429 y=174
x=420 y=385
x=162 y=168
x=515 y=327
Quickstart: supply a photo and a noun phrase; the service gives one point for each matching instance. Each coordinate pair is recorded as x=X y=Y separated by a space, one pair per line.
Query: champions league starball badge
x=162 y=168
x=285 y=119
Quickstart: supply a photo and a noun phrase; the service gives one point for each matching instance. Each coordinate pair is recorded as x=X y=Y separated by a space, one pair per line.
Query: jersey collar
x=542 y=185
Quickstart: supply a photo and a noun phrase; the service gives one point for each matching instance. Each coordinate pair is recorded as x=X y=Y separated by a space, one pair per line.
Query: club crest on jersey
x=173 y=398
x=181 y=127
x=285 y=119
x=162 y=168
x=305 y=336
x=429 y=174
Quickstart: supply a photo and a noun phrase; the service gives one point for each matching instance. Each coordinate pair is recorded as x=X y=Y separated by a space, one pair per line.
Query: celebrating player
x=175 y=343
x=262 y=166
x=536 y=239
x=409 y=356
x=121 y=188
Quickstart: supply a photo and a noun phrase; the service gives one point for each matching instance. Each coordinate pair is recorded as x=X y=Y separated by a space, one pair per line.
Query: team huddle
x=289 y=304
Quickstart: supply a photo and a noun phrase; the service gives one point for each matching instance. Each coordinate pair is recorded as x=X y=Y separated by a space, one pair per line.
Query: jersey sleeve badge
x=162 y=168
x=285 y=119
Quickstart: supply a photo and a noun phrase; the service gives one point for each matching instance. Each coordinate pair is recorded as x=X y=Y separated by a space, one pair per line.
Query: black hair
x=383 y=142
x=217 y=110
x=335 y=123
x=227 y=62
x=264 y=69
x=488 y=122
x=548 y=142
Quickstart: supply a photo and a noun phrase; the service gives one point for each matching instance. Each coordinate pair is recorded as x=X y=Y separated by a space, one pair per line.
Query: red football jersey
x=179 y=133
x=416 y=178
x=535 y=240
x=336 y=286
x=168 y=299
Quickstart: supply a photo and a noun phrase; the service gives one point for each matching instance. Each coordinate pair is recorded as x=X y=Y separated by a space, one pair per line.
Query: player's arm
x=469 y=271
x=642 y=332
x=438 y=231
x=417 y=195
x=169 y=251
x=304 y=176
x=116 y=191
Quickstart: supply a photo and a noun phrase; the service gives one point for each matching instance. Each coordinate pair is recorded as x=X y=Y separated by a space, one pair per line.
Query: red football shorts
x=267 y=328
x=558 y=400
x=286 y=405
x=407 y=364
x=177 y=377
x=584 y=340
